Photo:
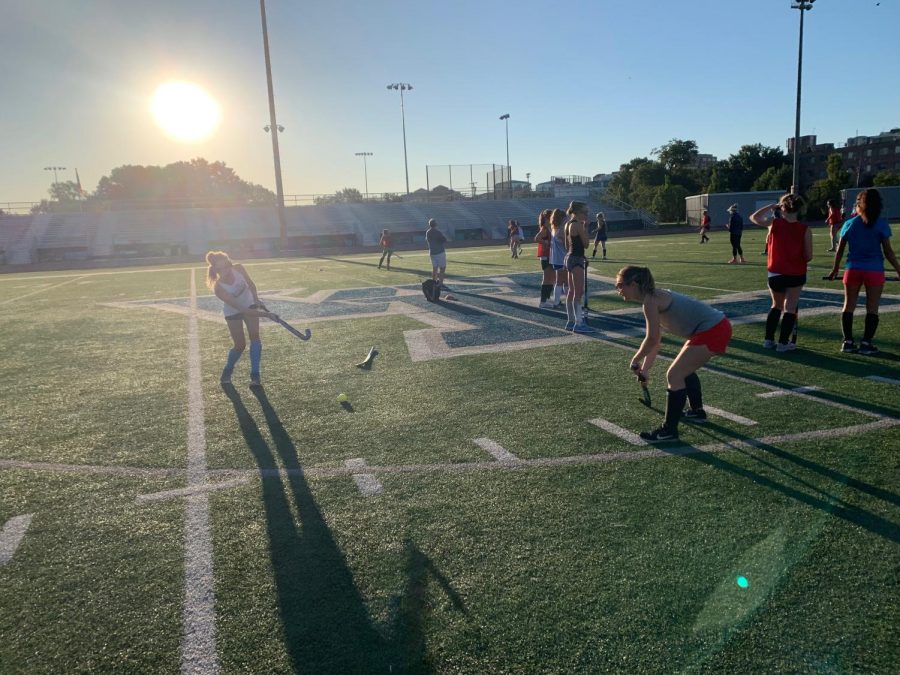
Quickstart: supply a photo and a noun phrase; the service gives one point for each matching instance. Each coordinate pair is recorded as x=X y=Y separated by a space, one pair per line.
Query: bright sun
x=185 y=111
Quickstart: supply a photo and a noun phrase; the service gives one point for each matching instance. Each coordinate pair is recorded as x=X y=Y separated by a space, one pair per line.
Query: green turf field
x=498 y=517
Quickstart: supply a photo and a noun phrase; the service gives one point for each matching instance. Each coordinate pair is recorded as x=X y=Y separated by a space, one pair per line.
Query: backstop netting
x=465 y=181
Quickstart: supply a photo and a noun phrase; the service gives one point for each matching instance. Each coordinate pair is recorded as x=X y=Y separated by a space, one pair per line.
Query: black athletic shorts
x=240 y=315
x=545 y=264
x=782 y=282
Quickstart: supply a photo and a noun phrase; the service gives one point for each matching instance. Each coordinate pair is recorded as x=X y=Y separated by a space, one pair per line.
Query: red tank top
x=786 y=247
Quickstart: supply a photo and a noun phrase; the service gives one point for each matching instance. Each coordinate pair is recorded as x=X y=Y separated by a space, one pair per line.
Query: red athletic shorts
x=716 y=338
x=863 y=277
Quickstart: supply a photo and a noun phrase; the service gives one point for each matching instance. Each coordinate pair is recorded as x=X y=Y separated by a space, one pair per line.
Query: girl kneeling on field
x=707 y=332
x=233 y=286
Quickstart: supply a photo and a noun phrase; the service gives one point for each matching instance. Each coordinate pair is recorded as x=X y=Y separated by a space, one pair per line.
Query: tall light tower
x=274 y=129
x=803 y=6
x=403 y=86
x=505 y=118
x=54 y=169
x=365 y=168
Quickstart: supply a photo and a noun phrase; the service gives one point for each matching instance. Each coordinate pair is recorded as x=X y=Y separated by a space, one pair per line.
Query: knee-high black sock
x=772 y=323
x=692 y=385
x=847 y=326
x=787 y=327
x=871 y=327
x=546 y=292
x=674 y=406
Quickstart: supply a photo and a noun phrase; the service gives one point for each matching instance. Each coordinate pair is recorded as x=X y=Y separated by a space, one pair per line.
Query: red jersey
x=385 y=241
x=704 y=221
x=834 y=216
x=786 y=241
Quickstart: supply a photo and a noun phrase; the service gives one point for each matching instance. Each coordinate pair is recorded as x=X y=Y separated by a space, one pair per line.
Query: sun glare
x=185 y=111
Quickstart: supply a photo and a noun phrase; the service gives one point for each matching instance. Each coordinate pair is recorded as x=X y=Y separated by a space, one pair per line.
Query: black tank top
x=576 y=246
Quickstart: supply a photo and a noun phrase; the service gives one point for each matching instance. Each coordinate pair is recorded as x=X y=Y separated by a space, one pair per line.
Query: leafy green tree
x=668 y=202
x=886 y=179
x=774 y=179
x=677 y=154
x=748 y=163
x=837 y=179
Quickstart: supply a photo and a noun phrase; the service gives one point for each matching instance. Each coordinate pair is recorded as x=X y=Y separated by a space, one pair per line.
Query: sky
x=588 y=84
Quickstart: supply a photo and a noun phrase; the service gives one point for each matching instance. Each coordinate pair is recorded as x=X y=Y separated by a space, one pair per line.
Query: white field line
x=188 y=491
x=366 y=483
x=787 y=392
x=40 y=290
x=885 y=380
x=616 y=430
x=87 y=468
x=729 y=416
x=198 y=645
x=11 y=536
x=496 y=450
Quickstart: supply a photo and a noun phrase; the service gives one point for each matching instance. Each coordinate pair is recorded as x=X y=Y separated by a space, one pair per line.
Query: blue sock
x=255 y=356
x=233 y=356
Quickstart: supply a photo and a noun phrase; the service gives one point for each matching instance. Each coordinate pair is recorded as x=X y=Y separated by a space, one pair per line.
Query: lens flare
x=742 y=582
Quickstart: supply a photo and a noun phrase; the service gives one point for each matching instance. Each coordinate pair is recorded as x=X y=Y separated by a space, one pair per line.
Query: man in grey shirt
x=436 y=240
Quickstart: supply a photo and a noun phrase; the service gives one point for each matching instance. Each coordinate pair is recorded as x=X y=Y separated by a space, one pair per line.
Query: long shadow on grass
x=828 y=503
x=324 y=618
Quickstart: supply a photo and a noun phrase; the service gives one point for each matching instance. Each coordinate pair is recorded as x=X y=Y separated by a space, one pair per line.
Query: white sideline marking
x=729 y=416
x=499 y=453
x=616 y=430
x=785 y=392
x=198 y=644
x=885 y=380
x=40 y=290
x=188 y=491
x=11 y=536
x=367 y=483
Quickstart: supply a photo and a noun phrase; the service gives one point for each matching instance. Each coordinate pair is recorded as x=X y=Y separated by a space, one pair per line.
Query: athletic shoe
x=768 y=344
x=764 y=253
x=584 y=329
x=226 y=376
x=868 y=348
x=603 y=258
x=254 y=380
x=570 y=325
x=780 y=348
x=742 y=260
x=546 y=305
x=831 y=250
x=732 y=261
x=697 y=416
x=791 y=346
x=660 y=434
x=849 y=347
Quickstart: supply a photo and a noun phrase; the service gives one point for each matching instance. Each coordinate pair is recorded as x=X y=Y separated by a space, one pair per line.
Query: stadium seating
x=13 y=236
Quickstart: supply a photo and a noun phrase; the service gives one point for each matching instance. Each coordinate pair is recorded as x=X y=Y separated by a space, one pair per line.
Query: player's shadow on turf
x=374 y=265
x=326 y=625
x=826 y=502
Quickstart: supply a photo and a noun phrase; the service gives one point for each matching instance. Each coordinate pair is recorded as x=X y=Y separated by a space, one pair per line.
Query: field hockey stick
x=367 y=362
x=645 y=390
x=305 y=335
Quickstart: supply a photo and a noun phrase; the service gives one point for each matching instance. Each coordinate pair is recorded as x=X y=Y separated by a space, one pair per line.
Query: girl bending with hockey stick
x=707 y=332
x=233 y=286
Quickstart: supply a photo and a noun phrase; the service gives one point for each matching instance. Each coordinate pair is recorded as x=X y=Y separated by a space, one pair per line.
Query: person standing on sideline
x=512 y=230
x=868 y=237
x=706 y=329
x=436 y=240
x=834 y=220
x=735 y=228
x=558 y=254
x=704 y=226
x=602 y=235
x=790 y=250
x=386 y=248
x=576 y=266
x=543 y=253
x=233 y=286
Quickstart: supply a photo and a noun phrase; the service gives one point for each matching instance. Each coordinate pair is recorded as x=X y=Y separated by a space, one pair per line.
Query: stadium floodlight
x=274 y=128
x=803 y=6
x=401 y=87
x=365 y=168
x=54 y=169
x=505 y=118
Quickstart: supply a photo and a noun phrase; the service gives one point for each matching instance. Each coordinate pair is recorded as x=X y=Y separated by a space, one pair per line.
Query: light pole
x=365 y=168
x=403 y=86
x=803 y=6
x=505 y=118
x=54 y=169
x=274 y=128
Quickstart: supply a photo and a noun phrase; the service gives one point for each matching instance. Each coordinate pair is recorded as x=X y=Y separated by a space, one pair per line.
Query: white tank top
x=240 y=290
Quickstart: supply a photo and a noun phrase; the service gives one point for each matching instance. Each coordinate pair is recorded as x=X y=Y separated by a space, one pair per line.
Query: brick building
x=863 y=156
